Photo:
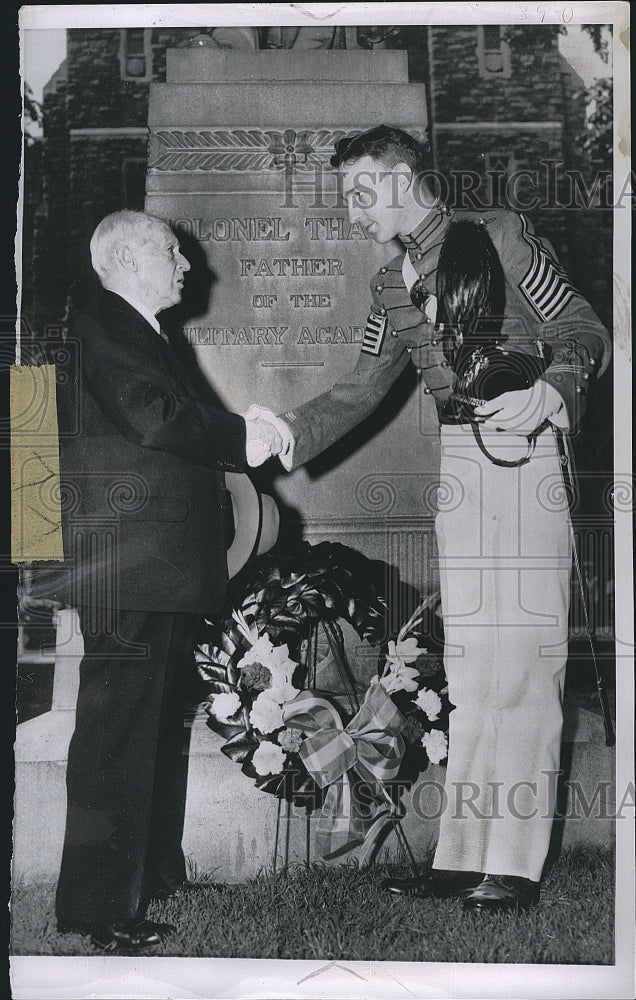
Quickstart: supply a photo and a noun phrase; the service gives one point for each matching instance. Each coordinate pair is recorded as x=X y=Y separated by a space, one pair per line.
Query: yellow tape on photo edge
x=36 y=516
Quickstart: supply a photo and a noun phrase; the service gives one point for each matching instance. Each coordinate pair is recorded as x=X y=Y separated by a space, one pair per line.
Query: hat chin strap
x=532 y=444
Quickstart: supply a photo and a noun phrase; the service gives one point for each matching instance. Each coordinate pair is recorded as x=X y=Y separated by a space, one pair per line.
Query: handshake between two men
x=267 y=436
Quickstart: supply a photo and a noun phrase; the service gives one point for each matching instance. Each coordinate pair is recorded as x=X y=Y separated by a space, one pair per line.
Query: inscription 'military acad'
x=271 y=336
x=241 y=336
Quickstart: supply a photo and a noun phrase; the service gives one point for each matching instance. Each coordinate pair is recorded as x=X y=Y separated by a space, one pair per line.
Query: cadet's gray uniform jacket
x=542 y=307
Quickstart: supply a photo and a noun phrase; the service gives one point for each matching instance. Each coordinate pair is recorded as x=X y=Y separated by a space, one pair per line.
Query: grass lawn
x=330 y=913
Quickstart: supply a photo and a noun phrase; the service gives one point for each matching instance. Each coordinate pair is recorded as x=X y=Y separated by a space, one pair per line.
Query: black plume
x=471 y=295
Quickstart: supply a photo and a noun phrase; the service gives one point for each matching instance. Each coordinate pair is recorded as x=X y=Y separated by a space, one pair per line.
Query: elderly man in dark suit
x=142 y=464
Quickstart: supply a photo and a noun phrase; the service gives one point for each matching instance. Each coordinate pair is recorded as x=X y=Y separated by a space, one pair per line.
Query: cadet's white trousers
x=505 y=554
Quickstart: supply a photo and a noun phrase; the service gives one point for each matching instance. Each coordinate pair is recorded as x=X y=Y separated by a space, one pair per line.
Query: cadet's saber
x=566 y=463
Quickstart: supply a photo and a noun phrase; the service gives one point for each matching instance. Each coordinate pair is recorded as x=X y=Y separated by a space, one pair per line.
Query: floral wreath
x=299 y=743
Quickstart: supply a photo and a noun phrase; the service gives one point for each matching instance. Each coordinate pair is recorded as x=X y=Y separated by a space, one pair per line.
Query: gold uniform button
x=383 y=270
x=379 y=288
x=393 y=333
x=444 y=364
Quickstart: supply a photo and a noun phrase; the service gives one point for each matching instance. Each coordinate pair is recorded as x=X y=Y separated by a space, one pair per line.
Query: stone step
x=204 y=65
x=188 y=105
x=230 y=826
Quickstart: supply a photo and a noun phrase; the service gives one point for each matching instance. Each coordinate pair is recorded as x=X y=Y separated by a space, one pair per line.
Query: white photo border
x=39 y=977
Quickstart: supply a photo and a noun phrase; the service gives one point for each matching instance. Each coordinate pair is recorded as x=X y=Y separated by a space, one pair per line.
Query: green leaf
x=219 y=687
x=233 y=675
x=272 y=783
x=226 y=730
x=213 y=672
x=241 y=747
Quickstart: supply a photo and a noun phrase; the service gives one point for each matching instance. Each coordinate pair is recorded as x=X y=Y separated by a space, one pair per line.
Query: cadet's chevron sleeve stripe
x=545 y=285
x=374 y=333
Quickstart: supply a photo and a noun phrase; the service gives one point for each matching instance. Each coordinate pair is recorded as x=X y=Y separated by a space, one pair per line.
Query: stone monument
x=239 y=163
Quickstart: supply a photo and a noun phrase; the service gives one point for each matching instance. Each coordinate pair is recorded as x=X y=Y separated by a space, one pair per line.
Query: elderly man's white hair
x=119 y=228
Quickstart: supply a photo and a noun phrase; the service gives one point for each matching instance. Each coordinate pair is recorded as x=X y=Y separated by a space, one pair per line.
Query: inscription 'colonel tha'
x=251 y=229
x=268 y=229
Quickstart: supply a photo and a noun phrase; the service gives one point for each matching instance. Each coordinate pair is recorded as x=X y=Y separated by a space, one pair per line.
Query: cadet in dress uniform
x=503 y=535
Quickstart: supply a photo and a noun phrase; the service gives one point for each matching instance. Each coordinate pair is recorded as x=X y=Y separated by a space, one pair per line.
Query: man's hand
x=522 y=411
x=286 y=451
x=262 y=441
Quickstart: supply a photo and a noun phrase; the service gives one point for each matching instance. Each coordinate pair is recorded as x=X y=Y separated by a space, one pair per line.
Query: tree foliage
x=596 y=139
x=599 y=39
x=33 y=116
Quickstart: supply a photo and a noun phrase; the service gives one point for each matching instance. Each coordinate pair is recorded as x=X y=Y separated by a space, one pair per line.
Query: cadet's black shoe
x=435 y=883
x=502 y=892
x=122 y=935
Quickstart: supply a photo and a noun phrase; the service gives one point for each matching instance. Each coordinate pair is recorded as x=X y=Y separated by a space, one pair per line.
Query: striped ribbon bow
x=370 y=746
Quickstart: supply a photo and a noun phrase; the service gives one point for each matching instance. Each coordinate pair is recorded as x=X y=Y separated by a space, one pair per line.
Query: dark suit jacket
x=142 y=458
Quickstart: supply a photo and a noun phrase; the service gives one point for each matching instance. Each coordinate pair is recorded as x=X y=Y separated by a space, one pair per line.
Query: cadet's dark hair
x=471 y=292
x=385 y=143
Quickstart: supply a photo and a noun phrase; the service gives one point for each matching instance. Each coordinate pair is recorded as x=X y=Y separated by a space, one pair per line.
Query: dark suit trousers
x=126 y=774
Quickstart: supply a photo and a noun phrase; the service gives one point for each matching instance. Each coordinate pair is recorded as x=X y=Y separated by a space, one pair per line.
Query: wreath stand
x=389 y=817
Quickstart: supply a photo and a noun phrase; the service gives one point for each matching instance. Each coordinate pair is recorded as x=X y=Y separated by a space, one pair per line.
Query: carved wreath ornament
x=241 y=149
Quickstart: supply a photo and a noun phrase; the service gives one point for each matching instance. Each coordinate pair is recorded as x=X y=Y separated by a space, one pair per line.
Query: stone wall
x=98 y=171
x=460 y=151
x=45 y=243
x=531 y=93
x=97 y=94
x=85 y=178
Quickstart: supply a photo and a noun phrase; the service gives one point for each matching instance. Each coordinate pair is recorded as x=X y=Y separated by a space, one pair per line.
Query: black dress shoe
x=121 y=935
x=436 y=884
x=502 y=892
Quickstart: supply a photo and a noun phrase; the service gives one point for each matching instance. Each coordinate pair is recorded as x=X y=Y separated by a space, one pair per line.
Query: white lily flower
x=403 y=651
x=400 y=678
